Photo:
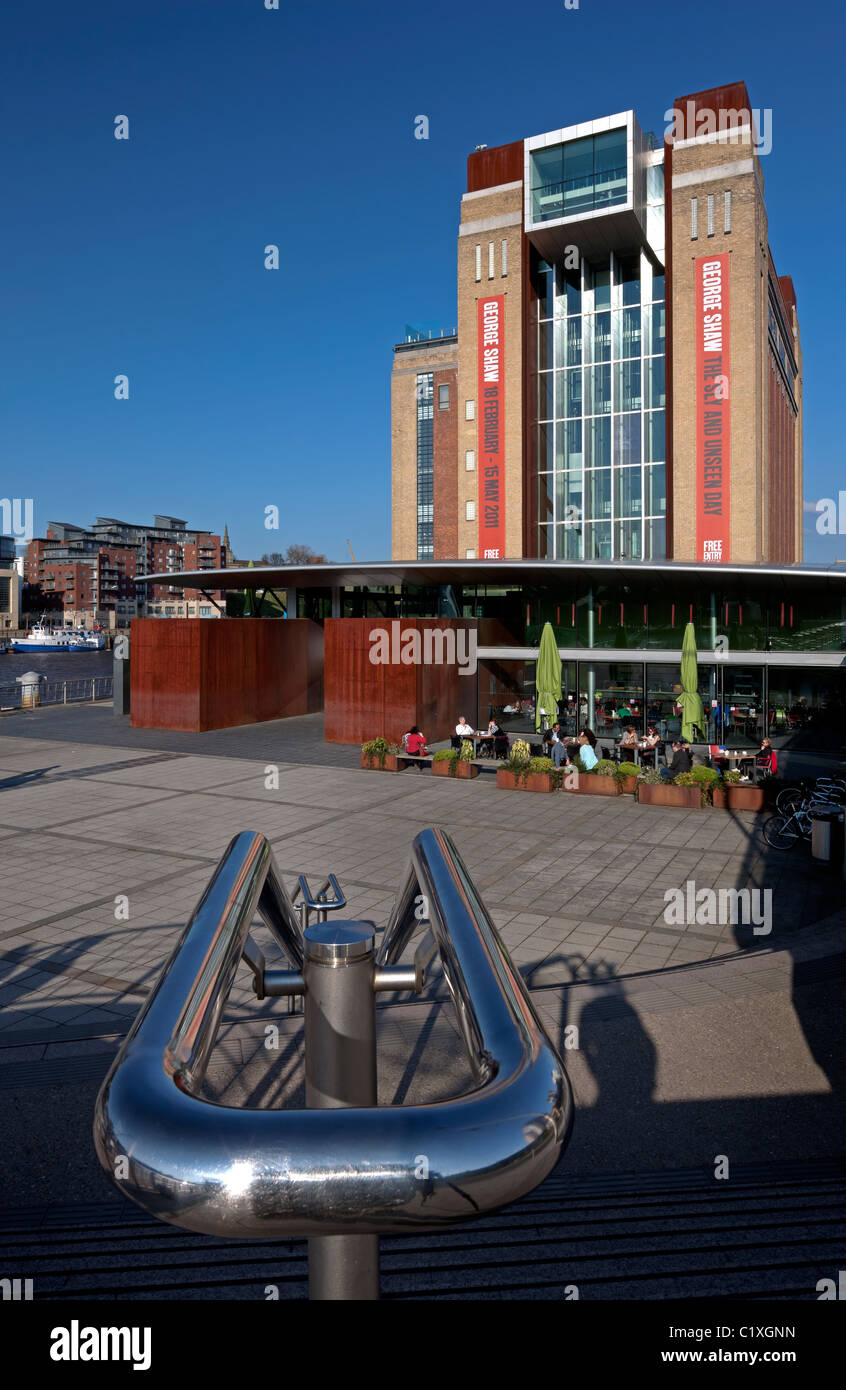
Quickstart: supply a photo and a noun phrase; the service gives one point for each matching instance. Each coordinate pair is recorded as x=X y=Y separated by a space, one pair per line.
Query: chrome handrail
x=361 y=1170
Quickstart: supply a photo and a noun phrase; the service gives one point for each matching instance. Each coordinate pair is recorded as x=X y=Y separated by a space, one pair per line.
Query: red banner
x=491 y=427
x=713 y=407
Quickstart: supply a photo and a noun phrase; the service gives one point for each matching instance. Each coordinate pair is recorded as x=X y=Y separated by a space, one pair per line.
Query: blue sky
x=251 y=388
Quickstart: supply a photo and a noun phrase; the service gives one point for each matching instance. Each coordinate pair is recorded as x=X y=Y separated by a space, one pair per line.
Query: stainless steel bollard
x=340 y=1069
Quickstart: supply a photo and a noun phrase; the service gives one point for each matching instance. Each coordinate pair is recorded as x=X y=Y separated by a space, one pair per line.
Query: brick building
x=95 y=575
x=625 y=382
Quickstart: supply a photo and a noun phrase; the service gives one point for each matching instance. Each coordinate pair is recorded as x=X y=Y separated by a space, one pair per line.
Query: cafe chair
x=456 y=741
x=500 y=748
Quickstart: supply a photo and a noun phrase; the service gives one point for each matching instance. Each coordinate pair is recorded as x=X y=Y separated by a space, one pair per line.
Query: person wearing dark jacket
x=681 y=761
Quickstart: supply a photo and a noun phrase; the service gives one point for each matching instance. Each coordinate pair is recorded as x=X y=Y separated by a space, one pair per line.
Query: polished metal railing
x=351 y=1168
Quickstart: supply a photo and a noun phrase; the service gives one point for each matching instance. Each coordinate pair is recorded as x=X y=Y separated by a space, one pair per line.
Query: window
x=710 y=214
x=469 y=410
x=469 y=554
x=490 y=260
x=443 y=398
x=478 y=262
x=580 y=176
x=727 y=213
x=694 y=219
x=425 y=467
x=505 y=258
x=470 y=511
x=469 y=459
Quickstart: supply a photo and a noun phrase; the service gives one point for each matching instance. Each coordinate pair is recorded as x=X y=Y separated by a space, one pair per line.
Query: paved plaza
x=693 y=1040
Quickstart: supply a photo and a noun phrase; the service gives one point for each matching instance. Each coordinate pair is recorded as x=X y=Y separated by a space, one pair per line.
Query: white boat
x=42 y=638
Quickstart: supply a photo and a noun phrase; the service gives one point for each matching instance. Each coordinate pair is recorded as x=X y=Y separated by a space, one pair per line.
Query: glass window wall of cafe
x=740 y=703
x=649 y=611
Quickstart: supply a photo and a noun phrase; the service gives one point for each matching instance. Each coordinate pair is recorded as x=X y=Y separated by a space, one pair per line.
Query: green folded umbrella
x=547 y=676
x=689 y=699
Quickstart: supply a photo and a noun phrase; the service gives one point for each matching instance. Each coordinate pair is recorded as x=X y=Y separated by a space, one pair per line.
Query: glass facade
x=600 y=442
x=579 y=176
x=616 y=621
x=425 y=467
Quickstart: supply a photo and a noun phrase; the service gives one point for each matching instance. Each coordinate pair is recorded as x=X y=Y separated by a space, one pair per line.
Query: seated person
x=494 y=731
x=557 y=748
x=652 y=739
x=766 y=761
x=463 y=729
x=681 y=761
x=586 y=748
x=415 y=743
x=630 y=738
x=514 y=708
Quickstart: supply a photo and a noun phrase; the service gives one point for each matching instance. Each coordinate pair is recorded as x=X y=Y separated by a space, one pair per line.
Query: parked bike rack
x=344 y=1170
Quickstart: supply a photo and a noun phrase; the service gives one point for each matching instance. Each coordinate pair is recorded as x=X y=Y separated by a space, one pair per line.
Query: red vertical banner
x=491 y=427
x=713 y=426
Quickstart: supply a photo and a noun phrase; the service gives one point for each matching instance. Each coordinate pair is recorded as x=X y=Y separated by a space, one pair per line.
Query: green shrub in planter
x=518 y=756
x=704 y=774
x=707 y=777
x=606 y=767
x=467 y=752
x=627 y=775
x=540 y=765
x=731 y=779
x=449 y=755
x=376 y=750
x=651 y=777
x=544 y=767
x=695 y=778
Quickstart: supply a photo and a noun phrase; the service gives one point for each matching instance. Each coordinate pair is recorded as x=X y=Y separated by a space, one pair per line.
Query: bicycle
x=782 y=831
x=792 y=799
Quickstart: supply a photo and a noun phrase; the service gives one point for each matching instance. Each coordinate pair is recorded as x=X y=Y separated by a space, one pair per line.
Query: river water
x=55 y=666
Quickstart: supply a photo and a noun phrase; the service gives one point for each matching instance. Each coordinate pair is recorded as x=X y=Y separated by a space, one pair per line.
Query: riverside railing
x=28 y=695
x=345 y=1169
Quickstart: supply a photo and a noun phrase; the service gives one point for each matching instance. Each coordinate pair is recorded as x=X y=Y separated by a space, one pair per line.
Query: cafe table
x=735 y=758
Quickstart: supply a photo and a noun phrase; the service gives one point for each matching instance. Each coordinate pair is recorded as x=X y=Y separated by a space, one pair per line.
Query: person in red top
x=415 y=743
x=767 y=760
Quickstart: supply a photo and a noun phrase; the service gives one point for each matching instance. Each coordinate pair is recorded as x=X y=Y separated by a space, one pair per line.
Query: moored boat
x=42 y=638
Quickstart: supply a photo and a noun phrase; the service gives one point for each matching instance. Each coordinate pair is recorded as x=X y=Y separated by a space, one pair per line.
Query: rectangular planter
x=689 y=798
x=595 y=786
x=628 y=784
x=745 y=798
x=373 y=764
x=508 y=780
x=718 y=798
x=465 y=770
x=539 y=782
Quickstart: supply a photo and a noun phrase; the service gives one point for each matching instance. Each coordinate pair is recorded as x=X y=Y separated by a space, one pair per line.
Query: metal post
x=591 y=671
x=340 y=1070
